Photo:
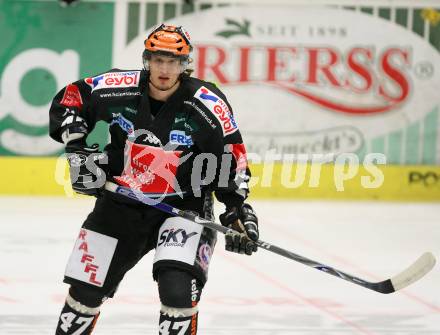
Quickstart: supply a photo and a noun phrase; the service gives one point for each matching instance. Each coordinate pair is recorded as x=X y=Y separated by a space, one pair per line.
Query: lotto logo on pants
x=91 y=257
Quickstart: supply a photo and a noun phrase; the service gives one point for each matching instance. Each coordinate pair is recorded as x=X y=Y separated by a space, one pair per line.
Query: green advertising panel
x=365 y=77
x=44 y=47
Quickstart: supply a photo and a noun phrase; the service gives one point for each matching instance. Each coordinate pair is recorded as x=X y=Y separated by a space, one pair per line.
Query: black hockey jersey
x=192 y=138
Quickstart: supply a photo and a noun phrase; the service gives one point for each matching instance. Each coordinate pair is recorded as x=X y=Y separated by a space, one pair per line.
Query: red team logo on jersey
x=150 y=169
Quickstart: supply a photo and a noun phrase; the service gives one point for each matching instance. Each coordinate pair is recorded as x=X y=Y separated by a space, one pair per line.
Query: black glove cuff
x=76 y=145
x=229 y=217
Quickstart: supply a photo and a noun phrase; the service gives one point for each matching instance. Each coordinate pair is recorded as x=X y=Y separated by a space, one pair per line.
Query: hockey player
x=171 y=136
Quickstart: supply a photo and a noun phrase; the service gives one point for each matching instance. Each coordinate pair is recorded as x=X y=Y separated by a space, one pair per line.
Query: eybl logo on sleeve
x=219 y=108
x=114 y=80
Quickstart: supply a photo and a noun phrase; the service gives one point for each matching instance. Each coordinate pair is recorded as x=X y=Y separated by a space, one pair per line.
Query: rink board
x=49 y=176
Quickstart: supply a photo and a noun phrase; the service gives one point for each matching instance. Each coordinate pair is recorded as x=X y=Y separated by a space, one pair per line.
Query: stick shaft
x=385 y=286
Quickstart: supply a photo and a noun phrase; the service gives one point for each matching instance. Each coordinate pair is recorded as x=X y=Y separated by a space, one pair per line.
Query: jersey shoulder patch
x=114 y=79
x=72 y=97
x=218 y=108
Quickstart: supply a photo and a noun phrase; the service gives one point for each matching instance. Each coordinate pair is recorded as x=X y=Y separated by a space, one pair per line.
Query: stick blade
x=414 y=272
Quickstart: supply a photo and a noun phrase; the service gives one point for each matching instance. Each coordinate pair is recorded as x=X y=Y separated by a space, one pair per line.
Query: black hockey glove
x=243 y=220
x=85 y=162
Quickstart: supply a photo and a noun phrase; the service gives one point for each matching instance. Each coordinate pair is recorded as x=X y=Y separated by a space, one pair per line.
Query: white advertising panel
x=319 y=79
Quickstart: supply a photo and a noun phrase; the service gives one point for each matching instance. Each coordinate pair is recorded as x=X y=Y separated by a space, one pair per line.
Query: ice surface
x=262 y=294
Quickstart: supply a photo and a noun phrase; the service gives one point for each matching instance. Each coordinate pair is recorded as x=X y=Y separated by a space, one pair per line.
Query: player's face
x=164 y=71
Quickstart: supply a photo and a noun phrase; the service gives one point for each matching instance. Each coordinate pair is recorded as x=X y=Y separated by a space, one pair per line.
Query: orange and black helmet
x=168 y=40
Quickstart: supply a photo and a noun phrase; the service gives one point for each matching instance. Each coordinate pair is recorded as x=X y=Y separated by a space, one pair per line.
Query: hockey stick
x=414 y=272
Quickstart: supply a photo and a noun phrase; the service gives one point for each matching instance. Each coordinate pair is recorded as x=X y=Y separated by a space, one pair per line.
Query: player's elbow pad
x=73 y=128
